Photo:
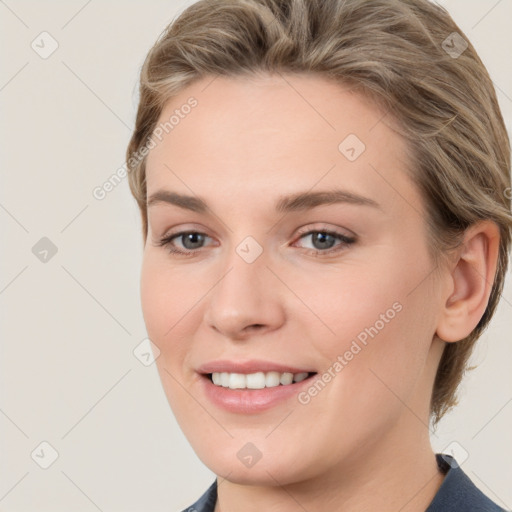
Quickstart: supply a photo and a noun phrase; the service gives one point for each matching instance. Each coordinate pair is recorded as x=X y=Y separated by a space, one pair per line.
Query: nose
x=246 y=300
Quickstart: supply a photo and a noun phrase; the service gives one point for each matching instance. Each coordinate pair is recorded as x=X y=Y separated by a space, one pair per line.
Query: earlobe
x=470 y=282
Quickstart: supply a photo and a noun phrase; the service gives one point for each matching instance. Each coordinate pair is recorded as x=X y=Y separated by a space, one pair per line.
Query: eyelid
x=169 y=235
x=180 y=229
x=322 y=227
x=344 y=240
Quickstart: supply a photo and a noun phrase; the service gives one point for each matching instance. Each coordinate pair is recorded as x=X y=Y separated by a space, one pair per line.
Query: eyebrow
x=295 y=202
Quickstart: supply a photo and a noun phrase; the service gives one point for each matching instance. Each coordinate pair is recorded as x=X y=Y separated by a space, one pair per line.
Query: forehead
x=258 y=135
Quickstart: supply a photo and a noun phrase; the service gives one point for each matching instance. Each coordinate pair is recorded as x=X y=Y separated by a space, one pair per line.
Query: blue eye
x=189 y=239
x=192 y=240
x=324 y=242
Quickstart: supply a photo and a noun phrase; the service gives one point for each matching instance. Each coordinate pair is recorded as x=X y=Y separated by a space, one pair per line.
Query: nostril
x=254 y=327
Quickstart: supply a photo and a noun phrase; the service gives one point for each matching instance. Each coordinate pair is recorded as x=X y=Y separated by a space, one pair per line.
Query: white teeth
x=224 y=380
x=286 y=378
x=258 y=380
x=237 y=381
x=272 y=379
x=299 y=377
x=255 y=380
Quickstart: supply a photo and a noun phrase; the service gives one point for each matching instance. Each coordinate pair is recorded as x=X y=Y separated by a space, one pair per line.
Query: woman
x=323 y=186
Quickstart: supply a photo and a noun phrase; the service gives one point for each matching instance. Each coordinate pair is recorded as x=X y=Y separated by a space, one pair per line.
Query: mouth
x=253 y=386
x=253 y=393
x=256 y=380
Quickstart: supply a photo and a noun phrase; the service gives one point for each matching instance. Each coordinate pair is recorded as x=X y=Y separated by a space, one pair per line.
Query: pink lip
x=247 y=401
x=250 y=401
x=251 y=366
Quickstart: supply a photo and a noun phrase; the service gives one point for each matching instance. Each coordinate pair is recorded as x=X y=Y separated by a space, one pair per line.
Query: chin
x=269 y=470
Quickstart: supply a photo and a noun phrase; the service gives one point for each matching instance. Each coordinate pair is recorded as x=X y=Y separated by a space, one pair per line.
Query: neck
x=398 y=473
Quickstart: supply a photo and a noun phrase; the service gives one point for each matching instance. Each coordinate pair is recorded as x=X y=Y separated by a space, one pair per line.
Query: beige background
x=69 y=325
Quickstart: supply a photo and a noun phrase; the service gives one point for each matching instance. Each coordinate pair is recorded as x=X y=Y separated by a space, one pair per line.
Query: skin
x=363 y=442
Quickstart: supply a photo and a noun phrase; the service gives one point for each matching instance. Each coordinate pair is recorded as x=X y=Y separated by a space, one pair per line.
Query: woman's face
x=343 y=290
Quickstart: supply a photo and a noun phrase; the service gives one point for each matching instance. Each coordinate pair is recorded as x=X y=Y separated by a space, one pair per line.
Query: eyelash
x=346 y=241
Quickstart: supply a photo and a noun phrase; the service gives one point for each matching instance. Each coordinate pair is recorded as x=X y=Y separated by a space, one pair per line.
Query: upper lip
x=251 y=366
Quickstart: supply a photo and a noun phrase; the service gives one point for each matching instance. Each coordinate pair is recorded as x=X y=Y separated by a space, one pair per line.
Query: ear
x=470 y=282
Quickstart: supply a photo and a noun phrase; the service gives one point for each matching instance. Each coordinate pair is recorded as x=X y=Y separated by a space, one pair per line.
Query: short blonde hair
x=401 y=54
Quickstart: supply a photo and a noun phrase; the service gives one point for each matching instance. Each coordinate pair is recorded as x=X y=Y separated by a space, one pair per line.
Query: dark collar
x=458 y=492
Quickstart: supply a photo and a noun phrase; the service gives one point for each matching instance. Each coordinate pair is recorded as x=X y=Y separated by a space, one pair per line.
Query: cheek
x=349 y=301
x=376 y=356
x=167 y=298
x=381 y=321
x=156 y=308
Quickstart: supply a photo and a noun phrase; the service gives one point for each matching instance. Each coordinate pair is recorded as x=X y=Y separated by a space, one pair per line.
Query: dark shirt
x=456 y=494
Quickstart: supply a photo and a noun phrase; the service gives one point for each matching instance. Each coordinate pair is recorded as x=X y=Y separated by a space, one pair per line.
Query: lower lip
x=247 y=401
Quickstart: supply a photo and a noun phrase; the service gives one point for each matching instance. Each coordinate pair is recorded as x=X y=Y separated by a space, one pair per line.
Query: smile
x=252 y=393
x=257 y=380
